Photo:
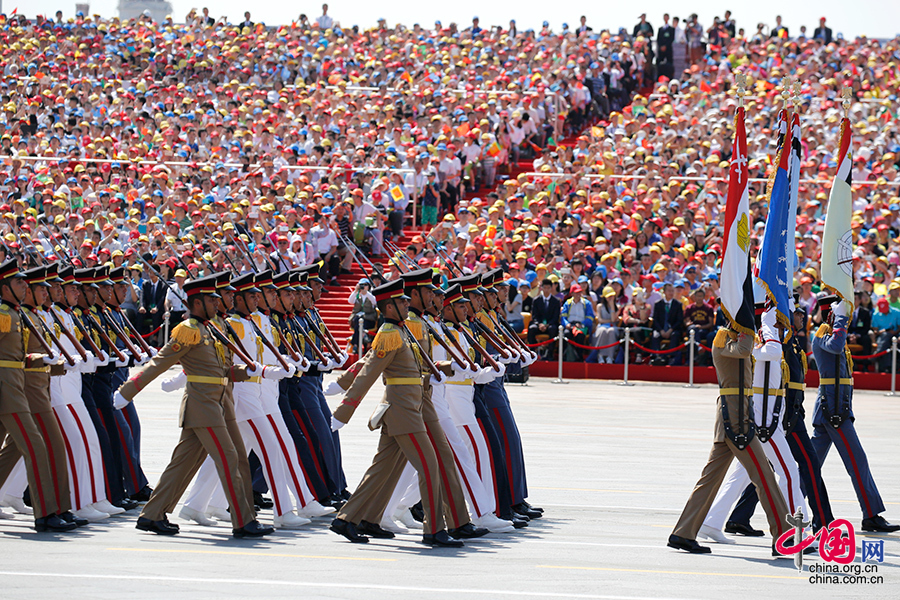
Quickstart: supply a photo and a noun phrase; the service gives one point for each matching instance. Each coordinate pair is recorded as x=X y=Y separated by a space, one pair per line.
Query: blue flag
x=774 y=263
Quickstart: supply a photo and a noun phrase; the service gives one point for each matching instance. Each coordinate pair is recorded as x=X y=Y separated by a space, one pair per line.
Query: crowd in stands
x=589 y=163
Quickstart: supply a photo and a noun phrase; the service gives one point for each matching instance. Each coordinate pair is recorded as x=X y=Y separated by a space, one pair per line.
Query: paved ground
x=612 y=467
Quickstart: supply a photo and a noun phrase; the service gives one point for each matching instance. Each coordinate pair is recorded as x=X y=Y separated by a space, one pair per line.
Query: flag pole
x=846 y=94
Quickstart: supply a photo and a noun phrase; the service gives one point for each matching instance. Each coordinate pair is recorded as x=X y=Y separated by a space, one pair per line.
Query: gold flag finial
x=796 y=94
x=740 y=80
x=786 y=90
x=846 y=94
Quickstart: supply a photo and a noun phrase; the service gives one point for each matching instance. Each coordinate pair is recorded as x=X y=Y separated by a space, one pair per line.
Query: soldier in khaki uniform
x=404 y=436
x=204 y=411
x=731 y=354
x=16 y=419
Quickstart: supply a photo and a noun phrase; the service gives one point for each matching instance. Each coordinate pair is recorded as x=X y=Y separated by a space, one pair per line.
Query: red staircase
x=333 y=305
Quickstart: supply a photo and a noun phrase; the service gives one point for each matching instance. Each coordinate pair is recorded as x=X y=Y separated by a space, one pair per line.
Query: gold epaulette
x=187 y=333
x=257 y=319
x=721 y=336
x=387 y=339
x=823 y=330
x=237 y=325
x=415 y=326
x=486 y=320
x=5 y=319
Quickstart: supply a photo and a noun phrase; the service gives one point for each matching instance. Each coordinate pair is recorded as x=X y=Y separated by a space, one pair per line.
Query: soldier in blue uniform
x=833 y=415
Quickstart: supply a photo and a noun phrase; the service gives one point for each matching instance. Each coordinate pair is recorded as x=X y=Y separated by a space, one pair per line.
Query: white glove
x=440 y=377
x=501 y=373
x=839 y=308
x=153 y=351
x=174 y=383
x=277 y=373
x=143 y=360
x=485 y=375
x=76 y=368
x=507 y=360
x=119 y=401
x=344 y=357
x=52 y=359
x=87 y=365
x=327 y=365
x=121 y=363
x=254 y=370
x=102 y=360
x=333 y=389
x=458 y=369
x=335 y=424
x=303 y=365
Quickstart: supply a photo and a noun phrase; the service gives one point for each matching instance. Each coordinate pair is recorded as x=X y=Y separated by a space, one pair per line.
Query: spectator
x=885 y=325
x=668 y=325
x=363 y=311
x=578 y=322
x=700 y=318
x=606 y=330
x=544 y=315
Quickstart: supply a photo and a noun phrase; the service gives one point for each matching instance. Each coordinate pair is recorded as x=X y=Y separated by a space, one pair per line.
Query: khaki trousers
x=25 y=441
x=753 y=458
x=227 y=453
x=374 y=491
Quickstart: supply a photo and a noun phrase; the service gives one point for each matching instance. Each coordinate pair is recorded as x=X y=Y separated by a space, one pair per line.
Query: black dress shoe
x=742 y=529
x=526 y=505
x=680 y=543
x=528 y=511
x=344 y=494
x=261 y=501
x=468 y=531
x=515 y=520
x=519 y=515
x=878 y=523
x=162 y=527
x=53 y=523
x=348 y=530
x=142 y=495
x=808 y=550
x=68 y=517
x=417 y=512
x=441 y=538
x=374 y=530
x=126 y=504
x=253 y=529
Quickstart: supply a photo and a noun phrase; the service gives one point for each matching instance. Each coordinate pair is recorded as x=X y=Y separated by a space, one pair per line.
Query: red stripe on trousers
x=34 y=465
x=787 y=475
x=71 y=458
x=127 y=455
x=862 y=489
x=812 y=475
x=432 y=521
x=234 y=503
x=508 y=454
x=87 y=449
x=265 y=457
x=766 y=488
x=462 y=474
x=287 y=456
x=475 y=448
x=445 y=478
x=491 y=456
x=106 y=483
x=312 y=449
x=51 y=458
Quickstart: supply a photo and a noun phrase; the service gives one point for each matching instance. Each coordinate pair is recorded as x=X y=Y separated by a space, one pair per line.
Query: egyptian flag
x=837 y=239
x=735 y=288
x=772 y=263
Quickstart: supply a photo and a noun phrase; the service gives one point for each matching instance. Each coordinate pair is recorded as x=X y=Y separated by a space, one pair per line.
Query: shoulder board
x=823 y=330
x=78 y=312
x=486 y=320
x=187 y=333
x=4 y=308
x=256 y=319
x=387 y=339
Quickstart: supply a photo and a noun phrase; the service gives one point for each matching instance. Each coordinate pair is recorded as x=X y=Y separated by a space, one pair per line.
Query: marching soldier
x=833 y=415
x=767 y=407
x=16 y=419
x=205 y=408
x=404 y=436
x=734 y=438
